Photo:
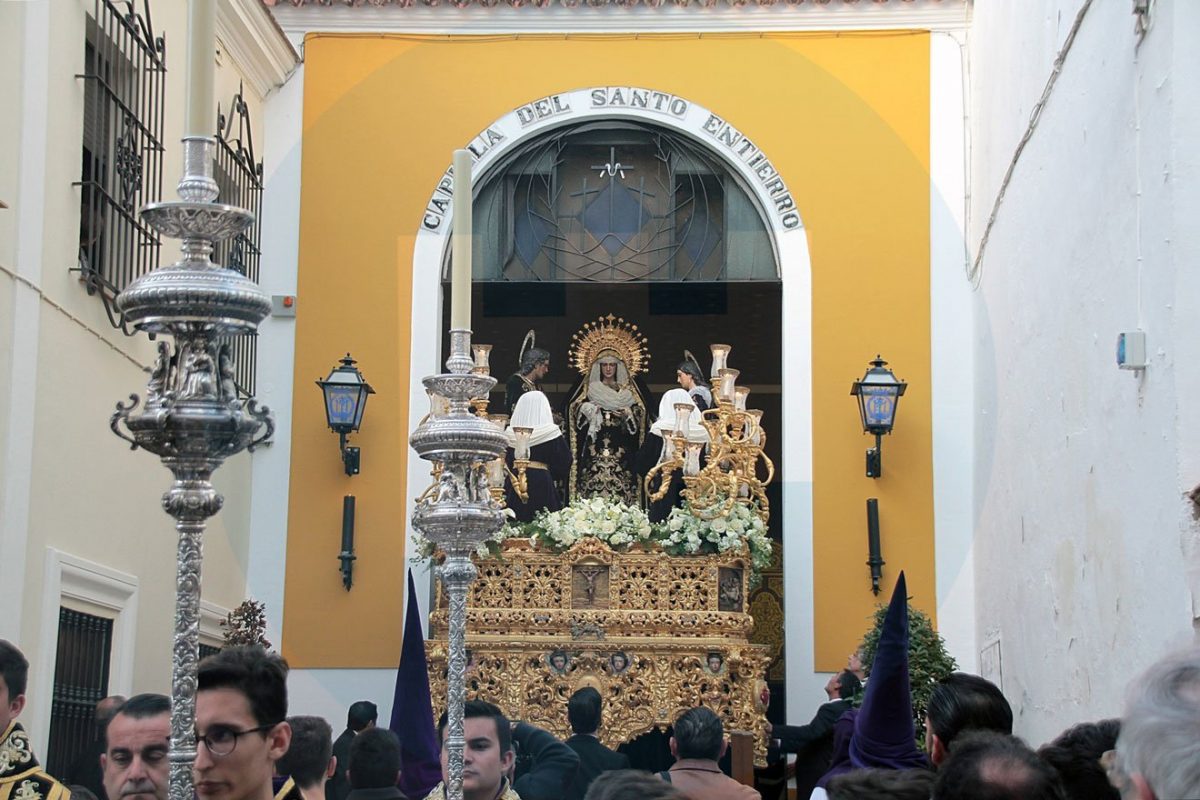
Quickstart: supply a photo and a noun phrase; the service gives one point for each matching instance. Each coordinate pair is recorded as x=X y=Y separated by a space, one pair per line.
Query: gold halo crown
x=609 y=333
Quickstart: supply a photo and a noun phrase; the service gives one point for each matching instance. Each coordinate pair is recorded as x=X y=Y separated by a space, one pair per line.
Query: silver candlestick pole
x=459 y=515
x=192 y=418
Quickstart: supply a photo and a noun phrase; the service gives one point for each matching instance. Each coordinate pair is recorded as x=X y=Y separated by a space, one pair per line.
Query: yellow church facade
x=849 y=144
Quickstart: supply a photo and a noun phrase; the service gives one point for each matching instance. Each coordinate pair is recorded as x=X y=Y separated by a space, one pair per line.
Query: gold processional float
x=655 y=633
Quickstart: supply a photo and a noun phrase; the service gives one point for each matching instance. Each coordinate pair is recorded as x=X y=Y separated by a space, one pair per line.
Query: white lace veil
x=533 y=411
x=666 y=417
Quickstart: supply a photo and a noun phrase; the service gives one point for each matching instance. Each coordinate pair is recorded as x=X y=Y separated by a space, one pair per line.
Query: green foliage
x=246 y=624
x=928 y=661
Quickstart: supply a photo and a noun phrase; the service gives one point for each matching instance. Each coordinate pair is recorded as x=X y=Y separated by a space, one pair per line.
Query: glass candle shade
x=755 y=415
x=668 y=448
x=682 y=412
x=521 y=443
x=739 y=397
x=495 y=473
x=727 y=384
x=482 y=353
x=720 y=355
x=691 y=464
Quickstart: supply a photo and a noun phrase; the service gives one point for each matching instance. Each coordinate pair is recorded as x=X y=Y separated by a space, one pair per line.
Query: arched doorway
x=593 y=202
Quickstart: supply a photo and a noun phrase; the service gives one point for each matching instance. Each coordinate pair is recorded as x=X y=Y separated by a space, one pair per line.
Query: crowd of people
x=248 y=748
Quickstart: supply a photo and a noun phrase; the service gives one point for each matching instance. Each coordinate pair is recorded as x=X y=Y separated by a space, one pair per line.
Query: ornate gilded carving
x=652 y=637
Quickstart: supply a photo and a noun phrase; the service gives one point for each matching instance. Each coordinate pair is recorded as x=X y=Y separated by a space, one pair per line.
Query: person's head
x=689 y=375
x=361 y=715
x=535 y=364
x=881 y=784
x=1158 y=750
x=855 y=664
x=105 y=710
x=621 y=784
x=309 y=759
x=842 y=686
x=985 y=765
x=488 y=754
x=583 y=710
x=14 y=670
x=1076 y=754
x=608 y=366
x=715 y=661
x=374 y=759
x=961 y=702
x=619 y=662
x=558 y=660
x=136 y=740
x=698 y=734
x=241 y=722
x=532 y=410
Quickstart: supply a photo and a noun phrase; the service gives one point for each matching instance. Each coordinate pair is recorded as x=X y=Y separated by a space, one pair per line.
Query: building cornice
x=299 y=17
x=256 y=43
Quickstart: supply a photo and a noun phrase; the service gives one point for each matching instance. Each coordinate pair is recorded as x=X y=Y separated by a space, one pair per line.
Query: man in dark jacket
x=813 y=743
x=361 y=716
x=375 y=766
x=583 y=712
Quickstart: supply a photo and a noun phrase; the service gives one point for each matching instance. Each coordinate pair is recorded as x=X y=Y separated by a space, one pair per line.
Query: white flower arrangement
x=620 y=526
x=685 y=533
x=616 y=524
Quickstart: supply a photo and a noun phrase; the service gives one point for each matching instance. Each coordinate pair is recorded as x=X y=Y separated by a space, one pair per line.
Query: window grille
x=124 y=79
x=239 y=178
x=80 y=681
x=207 y=650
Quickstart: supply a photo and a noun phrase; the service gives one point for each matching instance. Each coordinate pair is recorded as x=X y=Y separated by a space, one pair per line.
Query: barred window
x=239 y=179
x=124 y=81
x=80 y=681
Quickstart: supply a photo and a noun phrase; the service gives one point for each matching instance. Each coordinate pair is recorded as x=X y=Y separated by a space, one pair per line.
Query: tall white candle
x=460 y=253
x=201 y=119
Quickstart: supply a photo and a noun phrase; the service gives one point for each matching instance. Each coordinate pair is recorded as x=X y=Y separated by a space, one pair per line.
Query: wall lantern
x=345 y=400
x=879 y=394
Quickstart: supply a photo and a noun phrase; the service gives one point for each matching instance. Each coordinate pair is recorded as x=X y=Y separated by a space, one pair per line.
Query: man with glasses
x=241 y=725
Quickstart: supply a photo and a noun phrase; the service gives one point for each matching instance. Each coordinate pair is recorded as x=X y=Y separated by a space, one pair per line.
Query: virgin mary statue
x=606 y=412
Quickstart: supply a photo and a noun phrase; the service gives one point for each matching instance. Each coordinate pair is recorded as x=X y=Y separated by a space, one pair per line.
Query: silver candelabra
x=192 y=417
x=458 y=515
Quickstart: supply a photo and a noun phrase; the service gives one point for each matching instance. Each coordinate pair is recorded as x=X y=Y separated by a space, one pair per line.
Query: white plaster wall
x=63 y=367
x=1082 y=531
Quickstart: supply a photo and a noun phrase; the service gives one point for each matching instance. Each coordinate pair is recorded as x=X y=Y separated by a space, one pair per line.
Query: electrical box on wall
x=1131 y=350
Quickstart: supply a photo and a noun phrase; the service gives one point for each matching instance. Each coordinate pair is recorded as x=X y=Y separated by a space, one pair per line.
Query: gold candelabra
x=519 y=478
x=678 y=455
x=737 y=469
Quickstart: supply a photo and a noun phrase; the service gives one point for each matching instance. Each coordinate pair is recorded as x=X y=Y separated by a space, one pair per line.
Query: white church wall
x=1083 y=533
x=951 y=354
x=70 y=492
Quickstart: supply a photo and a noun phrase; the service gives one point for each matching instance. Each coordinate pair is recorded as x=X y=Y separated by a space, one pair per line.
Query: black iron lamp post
x=345 y=392
x=345 y=400
x=879 y=394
